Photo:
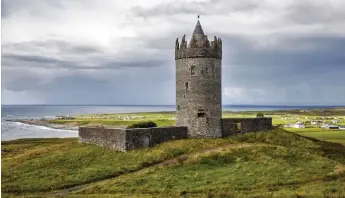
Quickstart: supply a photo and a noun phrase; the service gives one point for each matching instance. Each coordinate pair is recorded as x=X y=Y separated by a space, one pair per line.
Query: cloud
x=111 y=52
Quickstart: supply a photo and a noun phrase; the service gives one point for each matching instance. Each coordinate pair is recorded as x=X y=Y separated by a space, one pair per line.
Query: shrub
x=147 y=124
x=259 y=115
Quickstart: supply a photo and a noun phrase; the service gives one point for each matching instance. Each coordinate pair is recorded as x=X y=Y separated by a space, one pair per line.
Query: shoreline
x=75 y=126
x=34 y=122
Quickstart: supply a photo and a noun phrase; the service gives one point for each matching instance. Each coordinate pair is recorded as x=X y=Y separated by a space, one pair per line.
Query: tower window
x=186 y=85
x=202 y=71
x=192 y=70
x=201 y=113
x=184 y=96
x=206 y=70
x=178 y=107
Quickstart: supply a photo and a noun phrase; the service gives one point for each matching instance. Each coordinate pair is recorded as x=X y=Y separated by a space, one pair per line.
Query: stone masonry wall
x=232 y=126
x=198 y=96
x=125 y=139
x=114 y=138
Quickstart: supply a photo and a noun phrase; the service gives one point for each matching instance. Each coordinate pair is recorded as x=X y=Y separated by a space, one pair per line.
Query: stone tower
x=198 y=84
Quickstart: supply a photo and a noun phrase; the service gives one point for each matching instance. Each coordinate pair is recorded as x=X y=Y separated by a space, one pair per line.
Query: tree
x=147 y=124
x=259 y=115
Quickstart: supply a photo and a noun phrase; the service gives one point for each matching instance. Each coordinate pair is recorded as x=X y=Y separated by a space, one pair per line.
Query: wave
x=45 y=127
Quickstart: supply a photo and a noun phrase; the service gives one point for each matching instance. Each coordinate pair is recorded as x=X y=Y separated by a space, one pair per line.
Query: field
x=282 y=162
x=168 y=119
x=275 y=163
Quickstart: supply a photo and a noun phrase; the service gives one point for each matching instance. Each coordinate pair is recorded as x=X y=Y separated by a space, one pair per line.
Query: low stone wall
x=114 y=138
x=125 y=139
x=232 y=126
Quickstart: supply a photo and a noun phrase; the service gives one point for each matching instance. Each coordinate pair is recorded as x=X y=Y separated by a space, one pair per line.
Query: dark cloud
x=70 y=56
x=279 y=68
x=15 y=80
x=53 y=63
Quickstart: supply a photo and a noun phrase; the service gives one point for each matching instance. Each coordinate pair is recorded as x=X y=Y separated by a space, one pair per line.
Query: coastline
x=45 y=124
x=104 y=120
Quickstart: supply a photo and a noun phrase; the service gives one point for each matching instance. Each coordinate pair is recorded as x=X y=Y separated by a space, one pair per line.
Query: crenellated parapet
x=198 y=48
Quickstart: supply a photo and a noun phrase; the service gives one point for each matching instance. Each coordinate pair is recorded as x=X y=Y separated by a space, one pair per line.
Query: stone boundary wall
x=114 y=138
x=123 y=139
x=232 y=126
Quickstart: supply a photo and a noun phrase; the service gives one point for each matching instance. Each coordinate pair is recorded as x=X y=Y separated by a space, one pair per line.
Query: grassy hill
x=276 y=163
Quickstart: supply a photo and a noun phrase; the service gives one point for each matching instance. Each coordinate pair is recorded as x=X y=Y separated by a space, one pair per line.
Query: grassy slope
x=266 y=163
x=321 y=134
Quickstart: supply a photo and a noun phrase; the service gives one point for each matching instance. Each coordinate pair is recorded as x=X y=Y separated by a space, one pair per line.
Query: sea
x=16 y=130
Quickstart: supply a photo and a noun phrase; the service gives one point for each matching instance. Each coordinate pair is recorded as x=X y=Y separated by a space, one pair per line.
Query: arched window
x=186 y=85
x=192 y=70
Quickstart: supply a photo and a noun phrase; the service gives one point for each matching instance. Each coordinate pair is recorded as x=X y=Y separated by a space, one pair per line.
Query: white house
x=297 y=125
x=334 y=121
x=315 y=122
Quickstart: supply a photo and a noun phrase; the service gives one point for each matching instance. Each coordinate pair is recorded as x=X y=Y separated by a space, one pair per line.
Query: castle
x=198 y=102
x=199 y=84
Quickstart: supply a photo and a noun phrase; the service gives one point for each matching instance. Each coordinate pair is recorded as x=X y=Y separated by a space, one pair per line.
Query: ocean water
x=15 y=130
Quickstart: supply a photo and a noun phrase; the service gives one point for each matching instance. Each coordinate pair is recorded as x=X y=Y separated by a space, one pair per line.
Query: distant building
x=315 y=122
x=342 y=127
x=298 y=125
x=331 y=126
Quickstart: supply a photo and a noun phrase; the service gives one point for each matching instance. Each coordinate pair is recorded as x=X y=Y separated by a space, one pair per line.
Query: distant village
x=320 y=122
x=296 y=121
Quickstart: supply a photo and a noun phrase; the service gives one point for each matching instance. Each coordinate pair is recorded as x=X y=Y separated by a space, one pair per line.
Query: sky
x=122 y=52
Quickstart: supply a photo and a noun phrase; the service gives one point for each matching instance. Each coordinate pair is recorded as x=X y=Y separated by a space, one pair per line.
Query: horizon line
x=273 y=105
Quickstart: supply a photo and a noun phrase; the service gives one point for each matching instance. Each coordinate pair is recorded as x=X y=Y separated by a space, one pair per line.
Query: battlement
x=198 y=48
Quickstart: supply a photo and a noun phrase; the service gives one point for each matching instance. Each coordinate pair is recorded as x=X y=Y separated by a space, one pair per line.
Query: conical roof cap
x=198 y=29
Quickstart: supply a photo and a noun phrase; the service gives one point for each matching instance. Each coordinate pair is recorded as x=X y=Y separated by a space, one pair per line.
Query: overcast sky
x=289 y=52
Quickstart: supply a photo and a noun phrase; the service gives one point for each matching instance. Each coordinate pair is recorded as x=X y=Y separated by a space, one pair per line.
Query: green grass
x=168 y=118
x=67 y=163
x=266 y=164
x=275 y=163
x=321 y=134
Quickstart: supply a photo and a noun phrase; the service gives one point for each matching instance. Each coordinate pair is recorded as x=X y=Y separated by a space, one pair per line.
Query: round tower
x=198 y=84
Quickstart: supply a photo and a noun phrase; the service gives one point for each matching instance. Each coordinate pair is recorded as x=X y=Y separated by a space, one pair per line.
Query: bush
x=148 y=124
x=259 y=115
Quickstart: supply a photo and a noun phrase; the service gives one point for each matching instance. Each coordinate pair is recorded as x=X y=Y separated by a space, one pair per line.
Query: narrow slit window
x=186 y=85
x=192 y=70
x=178 y=107
x=202 y=71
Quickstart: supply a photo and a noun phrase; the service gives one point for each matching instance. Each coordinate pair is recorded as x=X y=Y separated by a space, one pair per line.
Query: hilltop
x=275 y=163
